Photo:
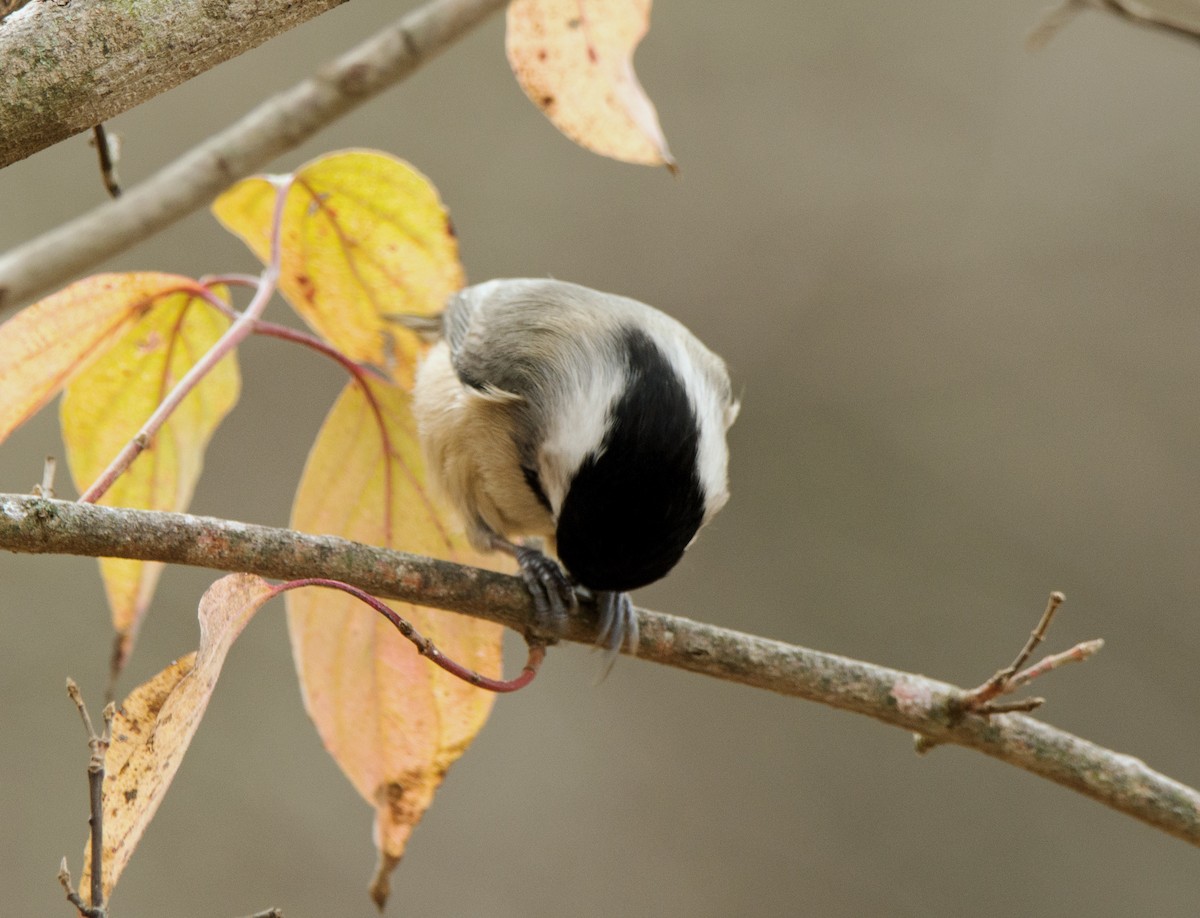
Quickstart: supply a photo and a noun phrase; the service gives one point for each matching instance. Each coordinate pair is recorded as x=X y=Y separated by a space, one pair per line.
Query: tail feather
x=427 y=328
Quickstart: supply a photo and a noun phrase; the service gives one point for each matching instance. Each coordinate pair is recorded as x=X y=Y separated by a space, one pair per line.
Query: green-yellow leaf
x=103 y=408
x=392 y=720
x=575 y=62
x=156 y=723
x=43 y=346
x=364 y=236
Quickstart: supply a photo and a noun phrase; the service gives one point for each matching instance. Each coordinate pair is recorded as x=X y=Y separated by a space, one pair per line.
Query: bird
x=581 y=432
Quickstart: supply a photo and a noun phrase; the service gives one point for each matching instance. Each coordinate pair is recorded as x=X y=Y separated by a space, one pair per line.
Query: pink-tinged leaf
x=103 y=408
x=156 y=723
x=574 y=59
x=393 y=721
x=364 y=237
x=45 y=345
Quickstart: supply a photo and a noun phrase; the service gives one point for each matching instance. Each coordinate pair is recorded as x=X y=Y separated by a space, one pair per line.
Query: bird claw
x=618 y=626
x=552 y=592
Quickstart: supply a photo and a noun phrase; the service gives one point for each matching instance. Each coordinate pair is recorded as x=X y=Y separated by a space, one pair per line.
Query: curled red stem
x=425 y=647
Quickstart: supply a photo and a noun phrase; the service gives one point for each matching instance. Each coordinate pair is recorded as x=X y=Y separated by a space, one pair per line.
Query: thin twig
x=911 y=702
x=1037 y=635
x=108 y=148
x=76 y=696
x=1002 y=682
x=98 y=744
x=1077 y=654
x=1022 y=705
x=226 y=344
x=64 y=880
x=296 y=336
x=279 y=124
x=238 y=280
x=272 y=330
x=981 y=699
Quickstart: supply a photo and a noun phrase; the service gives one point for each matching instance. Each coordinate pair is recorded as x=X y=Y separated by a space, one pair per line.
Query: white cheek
x=713 y=460
x=715 y=416
x=576 y=431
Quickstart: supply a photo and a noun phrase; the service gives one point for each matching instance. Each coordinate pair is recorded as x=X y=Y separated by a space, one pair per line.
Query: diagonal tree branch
x=68 y=66
x=934 y=710
x=277 y=125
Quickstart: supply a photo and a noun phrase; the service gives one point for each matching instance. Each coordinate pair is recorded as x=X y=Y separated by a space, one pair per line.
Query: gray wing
x=530 y=337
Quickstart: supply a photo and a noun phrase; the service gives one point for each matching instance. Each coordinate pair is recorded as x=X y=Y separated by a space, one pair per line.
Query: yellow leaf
x=105 y=405
x=43 y=346
x=364 y=236
x=157 y=721
x=392 y=720
x=575 y=62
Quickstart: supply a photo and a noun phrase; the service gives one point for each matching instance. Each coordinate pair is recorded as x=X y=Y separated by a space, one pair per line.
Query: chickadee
x=587 y=420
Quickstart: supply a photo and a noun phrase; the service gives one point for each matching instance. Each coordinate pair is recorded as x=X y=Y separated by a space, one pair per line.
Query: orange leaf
x=574 y=59
x=43 y=346
x=392 y=720
x=105 y=405
x=364 y=236
x=157 y=721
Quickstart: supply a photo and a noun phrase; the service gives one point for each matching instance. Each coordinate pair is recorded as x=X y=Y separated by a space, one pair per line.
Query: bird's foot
x=618 y=626
x=549 y=586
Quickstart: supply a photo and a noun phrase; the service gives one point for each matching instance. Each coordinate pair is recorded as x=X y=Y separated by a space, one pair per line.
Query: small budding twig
x=98 y=743
x=1001 y=683
x=64 y=879
x=981 y=700
x=1076 y=654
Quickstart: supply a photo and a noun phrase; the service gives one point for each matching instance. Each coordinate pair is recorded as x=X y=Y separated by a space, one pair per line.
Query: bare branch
x=914 y=703
x=69 y=66
x=274 y=127
x=98 y=744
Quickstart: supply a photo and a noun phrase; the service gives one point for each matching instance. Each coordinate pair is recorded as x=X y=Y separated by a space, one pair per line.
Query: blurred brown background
x=956 y=283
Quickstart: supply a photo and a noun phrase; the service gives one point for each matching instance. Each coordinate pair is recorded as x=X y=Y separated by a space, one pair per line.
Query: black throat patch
x=633 y=508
